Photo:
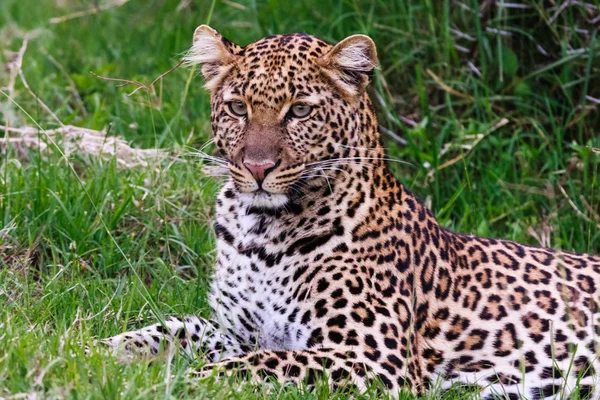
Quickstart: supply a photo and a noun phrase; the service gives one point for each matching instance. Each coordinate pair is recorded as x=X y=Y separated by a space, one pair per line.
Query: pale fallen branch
x=22 y=396
x=140 y=85
x=78 y=140
x=91 y=11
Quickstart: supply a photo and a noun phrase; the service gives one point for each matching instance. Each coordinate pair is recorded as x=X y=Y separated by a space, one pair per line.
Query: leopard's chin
x=263 y=199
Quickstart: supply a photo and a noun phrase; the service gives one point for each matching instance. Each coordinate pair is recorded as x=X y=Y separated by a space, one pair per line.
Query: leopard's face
x=283 y=108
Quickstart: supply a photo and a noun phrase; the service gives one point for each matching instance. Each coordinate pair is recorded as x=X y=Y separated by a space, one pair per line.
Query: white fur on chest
x=254 y=296
x=249 y=298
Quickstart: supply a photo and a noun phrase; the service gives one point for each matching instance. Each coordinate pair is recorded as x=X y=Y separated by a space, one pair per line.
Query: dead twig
x=576 y=209
x=544 y=236
x=91 y=11
x=393 y=135
x=235 y=5
x=447 y=88
x=72 y=85
x=82 y=141
x=183 y=5
x=19 y=72
x=478 y=138
x=589 y=208
x=558 y=11
x=140 y=85
x=528 y=189
x=14 y=66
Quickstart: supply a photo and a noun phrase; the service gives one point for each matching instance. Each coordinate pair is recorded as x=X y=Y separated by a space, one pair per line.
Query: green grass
x=112 y=248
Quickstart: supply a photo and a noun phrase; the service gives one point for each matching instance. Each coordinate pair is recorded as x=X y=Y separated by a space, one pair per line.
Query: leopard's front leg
x=343 y=367
x=194 y=335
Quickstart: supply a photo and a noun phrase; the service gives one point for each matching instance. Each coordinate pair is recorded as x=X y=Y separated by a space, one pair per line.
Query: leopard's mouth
x=282 y=187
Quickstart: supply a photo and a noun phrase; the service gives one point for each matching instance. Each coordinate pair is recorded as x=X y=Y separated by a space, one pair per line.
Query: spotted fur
x=326 y=263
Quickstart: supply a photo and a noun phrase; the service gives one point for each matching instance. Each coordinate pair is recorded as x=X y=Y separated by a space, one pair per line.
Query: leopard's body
x=325 y=262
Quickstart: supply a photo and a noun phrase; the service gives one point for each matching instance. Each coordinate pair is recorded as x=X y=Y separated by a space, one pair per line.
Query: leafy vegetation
x=492 y=105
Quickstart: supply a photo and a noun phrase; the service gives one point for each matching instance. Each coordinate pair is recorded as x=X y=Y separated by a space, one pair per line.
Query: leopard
x=327 y=267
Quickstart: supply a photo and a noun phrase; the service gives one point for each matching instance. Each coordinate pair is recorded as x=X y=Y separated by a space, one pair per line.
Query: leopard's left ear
x=350 y=63
x=214 y=53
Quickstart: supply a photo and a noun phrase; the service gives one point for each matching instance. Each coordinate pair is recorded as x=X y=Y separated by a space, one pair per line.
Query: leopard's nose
x=259 y=170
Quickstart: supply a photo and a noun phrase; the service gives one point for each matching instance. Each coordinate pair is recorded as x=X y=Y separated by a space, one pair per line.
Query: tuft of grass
x=494 y=107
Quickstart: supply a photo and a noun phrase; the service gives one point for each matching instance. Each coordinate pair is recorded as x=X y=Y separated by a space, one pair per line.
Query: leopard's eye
x=238 y=108
x=300 y=111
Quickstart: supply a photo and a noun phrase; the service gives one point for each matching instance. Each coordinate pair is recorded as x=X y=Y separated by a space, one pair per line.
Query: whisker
x=333 y=160
x=345 y=146
x=208 y=143
x=204 y=146
x=321 y=176
x=200 y=153
x=329 y=185
x=331 y=168
x=297 y=190
x=208 y=157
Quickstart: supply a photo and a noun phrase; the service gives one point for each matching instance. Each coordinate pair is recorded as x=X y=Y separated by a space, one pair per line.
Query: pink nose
x=259 y=171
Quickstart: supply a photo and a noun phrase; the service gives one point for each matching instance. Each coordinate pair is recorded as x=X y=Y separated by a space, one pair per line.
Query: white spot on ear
x=348 y=63
x=209 y=50
x=206 y=48
x=356 y=56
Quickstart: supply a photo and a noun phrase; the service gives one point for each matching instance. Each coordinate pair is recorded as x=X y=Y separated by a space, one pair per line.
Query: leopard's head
x=284 y=108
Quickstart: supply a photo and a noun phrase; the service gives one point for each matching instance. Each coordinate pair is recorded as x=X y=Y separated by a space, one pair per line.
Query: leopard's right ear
x=214 y=53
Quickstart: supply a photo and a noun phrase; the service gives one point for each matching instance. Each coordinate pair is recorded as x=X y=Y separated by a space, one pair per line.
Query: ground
x=491 y=112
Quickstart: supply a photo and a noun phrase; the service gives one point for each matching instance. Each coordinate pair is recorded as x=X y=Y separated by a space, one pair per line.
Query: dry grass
x=91 y=249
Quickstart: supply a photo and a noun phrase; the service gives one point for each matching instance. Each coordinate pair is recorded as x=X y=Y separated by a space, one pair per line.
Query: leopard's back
x=519 y=316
